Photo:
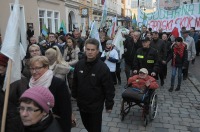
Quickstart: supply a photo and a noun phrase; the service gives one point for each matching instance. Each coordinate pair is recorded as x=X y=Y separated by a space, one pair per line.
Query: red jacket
x=138 y=82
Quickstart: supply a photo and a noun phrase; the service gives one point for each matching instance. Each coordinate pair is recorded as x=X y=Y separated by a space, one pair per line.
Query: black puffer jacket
x=92 y=86
x=146 y=58
x=130 y=48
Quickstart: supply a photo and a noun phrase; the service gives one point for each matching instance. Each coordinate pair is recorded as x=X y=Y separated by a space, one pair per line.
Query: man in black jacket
x=146 y=57
x=92 y=86
x=131 y=45
x=160 y=46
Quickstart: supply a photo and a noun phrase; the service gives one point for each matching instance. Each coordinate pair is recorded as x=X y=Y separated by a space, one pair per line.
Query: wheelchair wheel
x=153 y=107
x=124 y=109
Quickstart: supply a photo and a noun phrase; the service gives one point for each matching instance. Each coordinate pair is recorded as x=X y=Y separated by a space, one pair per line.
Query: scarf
x=61 y=44
x=40 y=126
x=178 y=50
x=44 y=80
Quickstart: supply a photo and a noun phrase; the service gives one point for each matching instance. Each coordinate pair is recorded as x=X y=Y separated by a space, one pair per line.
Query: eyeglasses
x=27 y=109
x=141 y=73
x=37 y=69
x=31 y=51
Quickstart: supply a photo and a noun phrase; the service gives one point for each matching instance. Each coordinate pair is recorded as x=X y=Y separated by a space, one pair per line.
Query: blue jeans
x=174 y=69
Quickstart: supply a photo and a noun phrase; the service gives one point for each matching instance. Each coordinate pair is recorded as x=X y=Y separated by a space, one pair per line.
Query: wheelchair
x=146 y=99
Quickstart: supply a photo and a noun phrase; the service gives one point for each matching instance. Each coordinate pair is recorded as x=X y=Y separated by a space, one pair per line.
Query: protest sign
x=187 y=15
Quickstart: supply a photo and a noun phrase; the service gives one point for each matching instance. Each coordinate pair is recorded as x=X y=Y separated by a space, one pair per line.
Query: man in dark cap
x=146 y=57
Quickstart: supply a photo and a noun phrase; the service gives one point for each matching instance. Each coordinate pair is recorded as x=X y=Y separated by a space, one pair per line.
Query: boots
x=178 y=88
x=171 y=89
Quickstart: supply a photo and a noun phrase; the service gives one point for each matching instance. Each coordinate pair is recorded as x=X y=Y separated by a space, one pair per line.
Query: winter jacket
x=13 y=121
x=60 y=70
x=160 y=46
x=71 y=56
x=189 y=41
x=146 y=58
x=130 y=49
x=92 y=86
x=62 y=107
x=138 y=82
x=48 y=125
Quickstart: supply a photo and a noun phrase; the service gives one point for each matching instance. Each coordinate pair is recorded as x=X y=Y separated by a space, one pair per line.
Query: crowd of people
x=61 y=67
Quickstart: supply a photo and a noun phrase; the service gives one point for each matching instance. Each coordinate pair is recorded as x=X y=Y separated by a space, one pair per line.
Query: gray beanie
x=109 y=42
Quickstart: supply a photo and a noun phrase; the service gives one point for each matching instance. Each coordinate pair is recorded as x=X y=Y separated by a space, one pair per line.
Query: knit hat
x=41 y=95
x=3 y=60
x=109 y=42
x=144 y=70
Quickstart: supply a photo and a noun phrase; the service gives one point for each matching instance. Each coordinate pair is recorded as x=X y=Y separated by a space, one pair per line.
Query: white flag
x=119 y=39
x=14 y=43
x=95 y=34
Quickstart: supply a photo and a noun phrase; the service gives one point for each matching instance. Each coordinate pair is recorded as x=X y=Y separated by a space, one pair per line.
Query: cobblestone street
x=176 y=111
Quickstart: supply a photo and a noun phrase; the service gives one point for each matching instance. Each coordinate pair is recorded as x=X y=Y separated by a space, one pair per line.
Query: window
x=41 y=18
x=56 y=16
x=50 y=19
x=94 y=1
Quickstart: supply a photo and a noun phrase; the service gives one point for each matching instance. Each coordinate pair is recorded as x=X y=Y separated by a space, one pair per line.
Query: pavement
x=194 y=73
x=176 y=110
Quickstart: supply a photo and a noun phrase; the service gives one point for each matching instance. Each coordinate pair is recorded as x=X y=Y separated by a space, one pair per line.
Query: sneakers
x=171 y=89
x=178 y=88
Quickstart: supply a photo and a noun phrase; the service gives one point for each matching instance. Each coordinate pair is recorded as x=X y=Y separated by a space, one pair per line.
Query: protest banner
x=187 y=15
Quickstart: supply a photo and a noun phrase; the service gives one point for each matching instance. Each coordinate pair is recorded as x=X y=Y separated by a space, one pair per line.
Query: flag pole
x=5 y=107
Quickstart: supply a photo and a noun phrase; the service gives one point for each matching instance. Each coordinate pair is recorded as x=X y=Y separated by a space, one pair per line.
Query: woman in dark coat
x=42 y=76
x=13 y=122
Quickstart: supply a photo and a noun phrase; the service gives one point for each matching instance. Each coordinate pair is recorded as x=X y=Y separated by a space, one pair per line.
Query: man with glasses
x=35 y=110
x=52 y=41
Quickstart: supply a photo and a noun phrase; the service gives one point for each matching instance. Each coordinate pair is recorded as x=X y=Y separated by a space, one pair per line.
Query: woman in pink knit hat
x=35 y=110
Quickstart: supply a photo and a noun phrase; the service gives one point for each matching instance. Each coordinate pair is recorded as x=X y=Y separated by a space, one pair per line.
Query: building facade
x=51 y=12
x=37 y=13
